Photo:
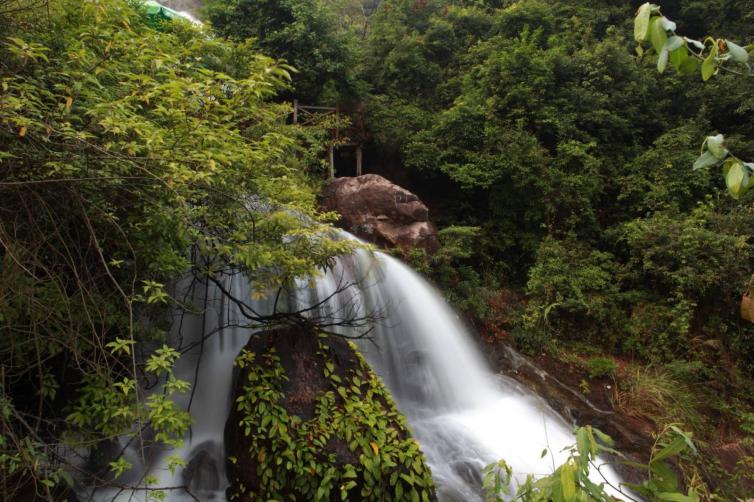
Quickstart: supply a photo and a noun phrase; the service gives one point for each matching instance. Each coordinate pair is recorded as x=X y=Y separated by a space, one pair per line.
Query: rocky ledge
x=381 y=212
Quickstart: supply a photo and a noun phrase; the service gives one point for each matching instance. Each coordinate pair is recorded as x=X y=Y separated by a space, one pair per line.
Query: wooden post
x=295 y=111
x=332 y=162
x=358 y=160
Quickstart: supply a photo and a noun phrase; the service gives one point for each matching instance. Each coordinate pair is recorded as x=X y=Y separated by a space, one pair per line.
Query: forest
x=585 y=168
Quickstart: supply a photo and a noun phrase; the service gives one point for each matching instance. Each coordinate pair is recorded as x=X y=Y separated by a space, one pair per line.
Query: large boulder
x=381 y=212
x=311 y=421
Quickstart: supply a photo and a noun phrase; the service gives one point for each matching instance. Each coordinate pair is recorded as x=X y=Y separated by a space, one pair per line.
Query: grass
x=654 y=394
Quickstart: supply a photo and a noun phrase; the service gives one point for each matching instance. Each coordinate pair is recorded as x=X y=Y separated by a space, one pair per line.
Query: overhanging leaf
x=737 y=180
x=657 y=34
x=709 y=65
x=641 y=24
x=737 y=53
x=667 y=24
x=705 y=160
x=662 y=60
x=715 y=145
x=674 y=43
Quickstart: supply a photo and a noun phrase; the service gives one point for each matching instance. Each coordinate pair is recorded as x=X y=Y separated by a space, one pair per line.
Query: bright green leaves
x=651 y=26
x=497 y=480
x=162 y=360
x=737 y=174
x=120 y=345
x=570 y=482
x=709 y=65
x=715 y=145
x=354 y=410
x=674 y=49
x=684 y=53
x=567 y=481
x=736 y=177
x=662 y=482
x=641 y=25
x=662 y=60
x=705 y=160
x=157 y=142
x=657 y=33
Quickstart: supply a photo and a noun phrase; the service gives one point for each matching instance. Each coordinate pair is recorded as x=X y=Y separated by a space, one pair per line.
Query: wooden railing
x=307 y=114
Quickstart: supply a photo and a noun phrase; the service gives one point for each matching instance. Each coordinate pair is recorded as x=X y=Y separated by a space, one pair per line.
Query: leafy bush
x=601 y=367
x=574 y=292
x=349 y=443
x=126 y=154
x=688 y=267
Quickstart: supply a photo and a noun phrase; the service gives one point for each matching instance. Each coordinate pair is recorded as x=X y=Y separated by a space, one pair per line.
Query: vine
x=295 y=458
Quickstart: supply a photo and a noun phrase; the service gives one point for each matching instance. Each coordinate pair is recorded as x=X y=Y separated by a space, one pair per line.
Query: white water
x=464 y=416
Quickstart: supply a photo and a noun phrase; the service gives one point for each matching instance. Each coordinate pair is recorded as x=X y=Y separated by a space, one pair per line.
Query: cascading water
x=464 y=416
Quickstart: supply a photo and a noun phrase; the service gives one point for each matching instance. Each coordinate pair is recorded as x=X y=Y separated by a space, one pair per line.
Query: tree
x=129 y=156
x=304 y=33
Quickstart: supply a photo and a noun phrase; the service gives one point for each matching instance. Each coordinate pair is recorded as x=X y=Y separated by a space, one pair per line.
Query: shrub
x=600 y=367
x=574 y=292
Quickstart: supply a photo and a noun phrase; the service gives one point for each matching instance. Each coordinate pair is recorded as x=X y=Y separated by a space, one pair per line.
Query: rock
x=202 y=474
x=736 y=458
x=381 y=212
x=309 y=414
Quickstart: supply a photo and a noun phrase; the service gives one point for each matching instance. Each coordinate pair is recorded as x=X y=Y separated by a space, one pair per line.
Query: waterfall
x=462 y=414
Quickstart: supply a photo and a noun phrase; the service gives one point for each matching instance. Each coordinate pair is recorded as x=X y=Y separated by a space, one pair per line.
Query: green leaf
x=695 y=43
x=676 y=497
x=657 y=34
x=673 y=43
x=662 y=61
x=689 y=65
x=737 y=53
x=715 y=145
x=737 y=180
x=705 y=160
x=667 y=24
x=663 y=477
x=582 y=442
x=678 y=57
x=641 y=24
x=678 y=444
x=568 y=480
x=709 y=65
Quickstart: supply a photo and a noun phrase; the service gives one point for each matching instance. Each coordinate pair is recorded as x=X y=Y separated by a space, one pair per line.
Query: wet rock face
x=381 y=212
x=203 y=471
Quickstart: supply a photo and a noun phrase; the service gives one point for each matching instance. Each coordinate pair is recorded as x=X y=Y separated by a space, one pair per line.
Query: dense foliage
x=560 y=162
x=356 y=446
x=303 y=33
x=556 y=159
x=130 y=154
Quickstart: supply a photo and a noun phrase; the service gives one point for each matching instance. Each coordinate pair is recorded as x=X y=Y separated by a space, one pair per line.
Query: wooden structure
x=306 y=114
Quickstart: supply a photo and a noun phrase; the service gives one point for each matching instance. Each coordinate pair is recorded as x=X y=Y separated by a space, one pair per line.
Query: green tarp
x=157 y=11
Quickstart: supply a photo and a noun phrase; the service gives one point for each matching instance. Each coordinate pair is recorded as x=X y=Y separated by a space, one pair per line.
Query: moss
x=313 y=422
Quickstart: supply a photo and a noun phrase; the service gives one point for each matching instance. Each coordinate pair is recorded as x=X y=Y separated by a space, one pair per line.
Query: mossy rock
x=311 y=421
